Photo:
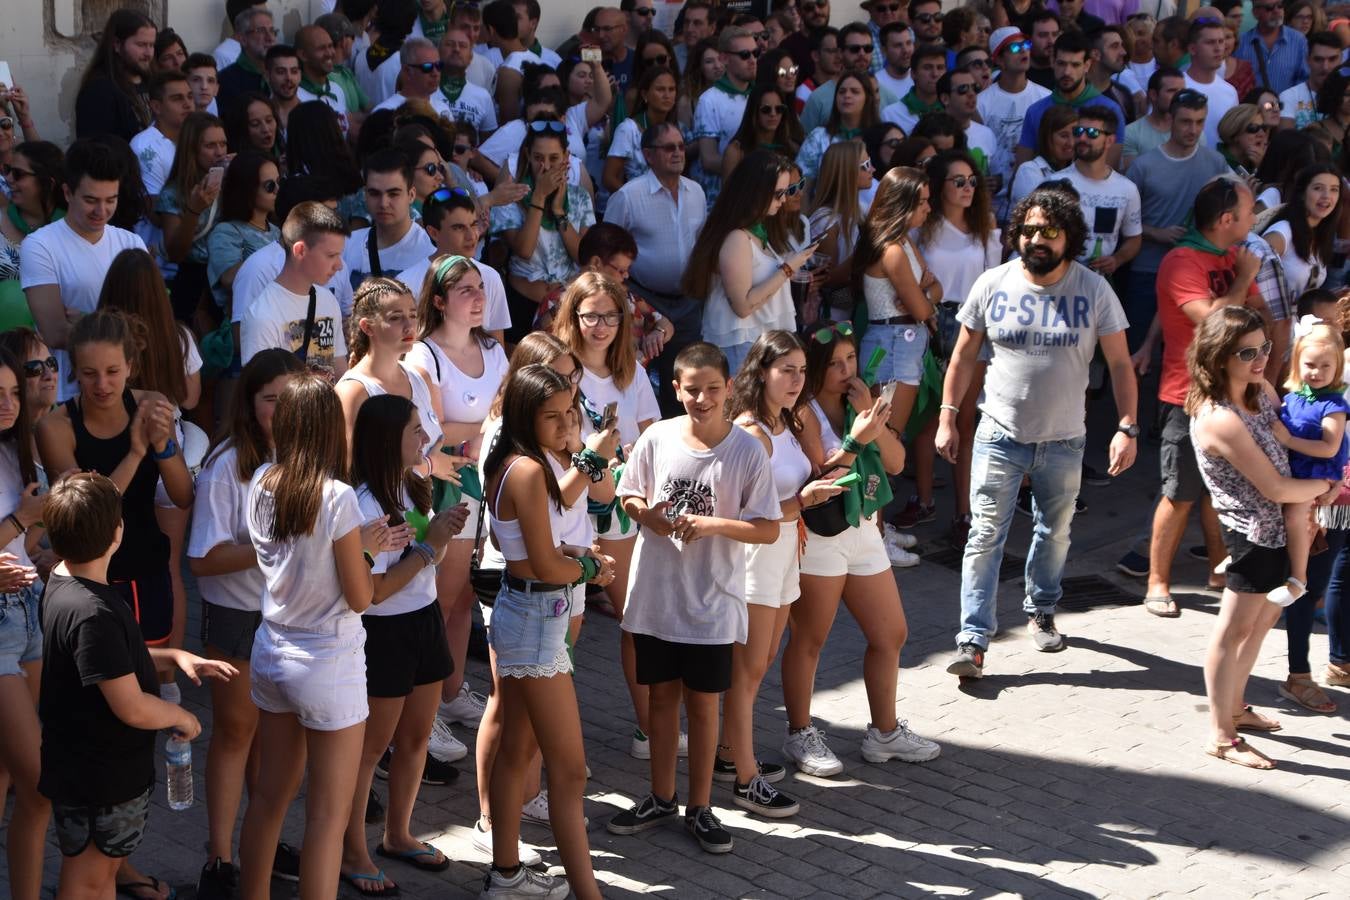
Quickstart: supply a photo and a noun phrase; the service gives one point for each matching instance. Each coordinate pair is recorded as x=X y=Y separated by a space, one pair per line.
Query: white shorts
x=471 y=523
x=854 y=551
x=772 y=571
x=320 y=678
x=615 y=531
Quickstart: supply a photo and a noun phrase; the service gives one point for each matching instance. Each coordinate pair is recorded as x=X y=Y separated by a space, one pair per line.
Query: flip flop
x=389 y=890
x=152 y=884
x=414 y=857
x=1164 y=607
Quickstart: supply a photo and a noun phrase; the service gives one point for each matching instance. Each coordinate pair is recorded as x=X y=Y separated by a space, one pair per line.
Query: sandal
x=384 y=890
x=1164 y=607
x=1228 y=750
x=423 y=858
x=151 y=884
x=1254 y=721
x=1305 y=692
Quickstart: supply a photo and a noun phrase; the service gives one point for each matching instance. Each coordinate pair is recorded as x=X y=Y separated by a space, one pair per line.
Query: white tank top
x=464 y=398
x=879 y=293
x=421 y=397
x=507 y=532
x=828 y=438
x=788 y=461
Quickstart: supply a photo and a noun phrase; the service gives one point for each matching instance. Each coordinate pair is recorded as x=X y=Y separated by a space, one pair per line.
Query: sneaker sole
x=528 y=858
x=724 y=777
x=887 y=756
x=1133 y=573
x=818 y=771
x=903 y=565
x=1055 y=648
x=640 y=826
x=451 y=757
x=963 y=669
x=766 y=811
x=645 y=753
x=716 y=849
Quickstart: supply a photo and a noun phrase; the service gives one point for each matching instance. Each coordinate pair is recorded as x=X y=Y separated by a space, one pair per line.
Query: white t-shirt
x=301 y=586
x=1300 y=104
x=496 y=314
x=637 y=402
x=437 y=101
x=276 y=318
x=1299 y=273
x=627 y=145
x=694 y=593
x=1003 y=113
x=981 y=137
x=1222 y=97
x=475 y=107
x=55 y=254
x=414 y=247
x=227 y=53
x=1110 y=207
x=263 y=267
x=11 y=489
x=517 y=60
x=718 y=114
x=464 y=398
x=898 y=87
x=898 y=113
x=956 y=259
x=221 y=517
x=417 y=593
x=335 y=98
x=155 y=153
x=508 y=139
x=380 y=83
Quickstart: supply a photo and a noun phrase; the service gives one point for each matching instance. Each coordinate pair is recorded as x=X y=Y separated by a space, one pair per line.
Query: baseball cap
x=1002 y=36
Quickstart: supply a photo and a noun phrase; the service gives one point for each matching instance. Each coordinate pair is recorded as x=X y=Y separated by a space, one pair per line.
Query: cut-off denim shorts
x=20 y=629
x=529 y=631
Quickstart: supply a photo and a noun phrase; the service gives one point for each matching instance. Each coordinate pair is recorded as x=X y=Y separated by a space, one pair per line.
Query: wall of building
x=47 y=42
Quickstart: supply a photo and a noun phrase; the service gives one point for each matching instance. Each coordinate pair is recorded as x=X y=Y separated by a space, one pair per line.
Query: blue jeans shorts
x=20 y=629
x=904 y=346
x=529 y=630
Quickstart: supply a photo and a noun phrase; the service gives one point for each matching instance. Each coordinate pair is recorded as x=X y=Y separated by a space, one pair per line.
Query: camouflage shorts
x=115 y=830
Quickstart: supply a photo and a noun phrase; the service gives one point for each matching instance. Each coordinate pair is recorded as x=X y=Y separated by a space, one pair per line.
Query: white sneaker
x=482 y=842
x=808 y=750
x=900 y=557
x=171 y=693
x=443 y=744
x=640 y=747
x=536 y=810
x=901 y=744
x=466 y=709
x=903 y=539
x=525 y=883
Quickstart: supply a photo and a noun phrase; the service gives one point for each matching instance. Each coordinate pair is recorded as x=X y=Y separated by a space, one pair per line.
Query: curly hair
x=1216 y=337
x=1060 y=209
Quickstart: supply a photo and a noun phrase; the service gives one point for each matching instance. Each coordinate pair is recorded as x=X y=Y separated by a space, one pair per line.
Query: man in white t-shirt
x=313 y=237
x=1109 y=200
x=61 y=265
x=1003 y=104
x=468 y=102
x=420 y=77
x=1298 y=104
x=1206 y=43
x=171 y=104
x=393 y=242
x=897 y=47
x=722 y=106
x=452 y=223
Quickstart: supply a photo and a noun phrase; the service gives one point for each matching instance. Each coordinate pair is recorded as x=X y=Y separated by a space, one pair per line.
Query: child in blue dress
x=1314 y=412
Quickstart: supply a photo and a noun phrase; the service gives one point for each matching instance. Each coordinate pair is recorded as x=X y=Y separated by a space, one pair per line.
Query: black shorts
x=151 y=600
x=405 y=651
x=1181 y=479
x=702 y=667
x=229 y=630
x=1253 y=569
x=115 y=830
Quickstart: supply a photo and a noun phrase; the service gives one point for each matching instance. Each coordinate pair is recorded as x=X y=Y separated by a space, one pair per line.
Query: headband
x=449 y=263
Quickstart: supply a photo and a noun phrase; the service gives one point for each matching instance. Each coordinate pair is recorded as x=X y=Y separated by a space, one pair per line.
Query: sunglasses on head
x=1249 y=354
x=827 y=334
x=962 y=181
x=539 y=126
x=928 y=18
x=1049 y=232
x=1190 y=97
x=425 y=68
x=270 y=186
x=1091 y=131
x=6 y=123
x=33 y=368
x=858 y=48
x=772 y=109
x=748 y=54
x=443 y=195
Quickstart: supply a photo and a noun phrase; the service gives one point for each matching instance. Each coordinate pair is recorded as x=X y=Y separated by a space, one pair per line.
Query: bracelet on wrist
x=850 y=444
x=955 y=409
x=369 y=558
x=427 y=552
x=786 y=270
x=590 y=464
x=15 y=521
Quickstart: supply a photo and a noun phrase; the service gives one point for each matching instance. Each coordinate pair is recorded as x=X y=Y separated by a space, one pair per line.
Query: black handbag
x=484 y=581
x=825 y=519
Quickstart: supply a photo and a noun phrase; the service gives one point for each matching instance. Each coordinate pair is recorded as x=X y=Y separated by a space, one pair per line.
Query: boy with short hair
x=202 y=77
x=99 y=700
x=394 y=242
x=699 y=488
x=171 y=103
x=313 y=237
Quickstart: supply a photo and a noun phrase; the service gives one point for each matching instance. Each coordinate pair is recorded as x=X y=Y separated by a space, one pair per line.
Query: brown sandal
x=1225 y=751
x=1257 y=722
x=1305 y=692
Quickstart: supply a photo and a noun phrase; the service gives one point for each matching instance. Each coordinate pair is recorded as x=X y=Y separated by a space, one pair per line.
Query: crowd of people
x=410 y=321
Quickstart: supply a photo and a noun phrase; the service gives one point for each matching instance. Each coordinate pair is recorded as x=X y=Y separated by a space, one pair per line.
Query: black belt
x=894 y=320
x=529 y=585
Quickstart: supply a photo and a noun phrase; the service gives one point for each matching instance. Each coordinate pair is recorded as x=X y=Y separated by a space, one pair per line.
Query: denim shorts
x=114 y=830
x=20 y=629
x=904 y=346
x=529 y=632
x=319 y=676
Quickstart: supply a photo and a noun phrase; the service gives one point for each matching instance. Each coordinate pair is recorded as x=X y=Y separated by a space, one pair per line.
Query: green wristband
x=590 y=567
x=850 y=445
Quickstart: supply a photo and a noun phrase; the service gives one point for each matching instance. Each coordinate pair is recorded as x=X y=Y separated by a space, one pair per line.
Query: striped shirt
x=1283 y=65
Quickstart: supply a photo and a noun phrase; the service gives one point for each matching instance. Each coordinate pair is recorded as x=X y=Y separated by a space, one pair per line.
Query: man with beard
x=1109 y=200
x=256 y=36
x=1071 y=88
x=1044 y=27
x=1042 y=316
x=881 y=13
x=897 y=52
x=112 y=91
x=1108 y=75
x=925 y=17
x=283 y=80
x=815 y=16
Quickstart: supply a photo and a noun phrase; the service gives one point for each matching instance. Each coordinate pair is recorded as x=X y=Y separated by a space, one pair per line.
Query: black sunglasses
x=270 y=186
x=858 y=48
x=747 y=54
x=33 y=368
x=1091 y=131
x=443 y=195
x=661 y=60
x=771 y=109
x=965 y=88
x=928 y=18
x=433 y=169
x=461 y=149
x=425 y=68
x=1254 y=128
x=1190 y=97
x=962 y=180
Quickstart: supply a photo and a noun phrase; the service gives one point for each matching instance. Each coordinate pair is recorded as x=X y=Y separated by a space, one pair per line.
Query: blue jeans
x=996 y=469
x=1328 y=579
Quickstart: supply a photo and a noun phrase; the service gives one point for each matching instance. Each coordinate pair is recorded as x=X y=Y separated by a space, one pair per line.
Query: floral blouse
x=1239 y=504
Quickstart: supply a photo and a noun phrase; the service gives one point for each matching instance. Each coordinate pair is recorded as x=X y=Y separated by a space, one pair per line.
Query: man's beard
x=1040 y=261
x=1089 y=154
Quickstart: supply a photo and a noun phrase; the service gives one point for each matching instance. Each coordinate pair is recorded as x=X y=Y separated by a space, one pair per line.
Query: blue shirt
x=1286 y=64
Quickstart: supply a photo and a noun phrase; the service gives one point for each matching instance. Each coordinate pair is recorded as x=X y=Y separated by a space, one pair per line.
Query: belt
x=529 y=585
x=894 y=320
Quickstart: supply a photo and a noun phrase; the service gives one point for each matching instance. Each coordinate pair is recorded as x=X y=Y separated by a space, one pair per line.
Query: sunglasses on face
x=33 y=368
x=928 y=18
x=433 y=169
x=978 y=62
x=6 y=123
x=827 y=334
x=1049 y=232
x=886 y=7
x=461 y=149
x=12 y=174
x=1018 y=47
x=1091 y=131
x=270 y=186
x=962 y=181
x=660 y=60
x=1268 y=105
x=865 y=165
x=858 y=48
x=645 y=11
x=1265 y=7
x=771 y=109
x=796 y=187
x=812 y=4
x=761 y=37
x=539 y=126
x=1254 y=128
x=748 y=54
x=425 y=68
x=590 y=319
x=964 y=89
x=1249 y=354
x=789 y=72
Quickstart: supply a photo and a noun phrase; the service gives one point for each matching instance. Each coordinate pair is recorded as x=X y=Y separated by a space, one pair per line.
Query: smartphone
x=591 y=54
x=5 y=77
x=1242 y=172
x=847 y=480
x=888 y=392
x=610 y=415
x=214 y=176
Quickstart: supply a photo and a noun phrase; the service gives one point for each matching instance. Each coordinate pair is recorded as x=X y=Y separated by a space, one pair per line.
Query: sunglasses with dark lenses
x=928 y=18
x=461 y=149
x=979 y=62
x=433 y=169
x=1190 y=97
x=1265 y=7
x=827 y=334
x=33 y=368
x=270 y=186
x=1018 y=47
x=1049 y=232
x=1254 y=128
x=812 y=4
x=443 y=195
x=772 y=109
x=426 y=68
x=1249 y=354
x=539 y=126
x=1091 y=131
x=966 y=89
x=13 y=174
x=662 y=60
x=858 y=48
x=962 y=181
x=796 y=188
x=748 y=54
x=886 y=7
x=645 y=11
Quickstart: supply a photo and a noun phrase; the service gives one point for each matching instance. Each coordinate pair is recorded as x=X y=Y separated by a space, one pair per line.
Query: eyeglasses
x=1265 y=7
x=443 y=195
x=885 y=7
x=1249 y=354
x=6 y=123
x=1269 y=105
x=827 y=334
x=264 y=29
x=892 y=144
x=425 y=68
x=539 y=126
x=963 y=89
x=1091 y=131
x=460 y=149
x=761 y=37
x=771 y=109
x=962 y=181
x=858 y=48
x=1049 y=232
x=928 y=18
x=433 y=169
x=270 y=186
x=1254 y=128
x=12 y=174
x=789 y=72
x=590 y=319
x=662 y=60
x=33 y=368
x=747 y=54
x=865 y=165
x=673 y=147
x=645 y=11
x=796 y=188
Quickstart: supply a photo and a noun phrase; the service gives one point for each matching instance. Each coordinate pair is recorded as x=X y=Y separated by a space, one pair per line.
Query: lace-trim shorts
x=529 y=632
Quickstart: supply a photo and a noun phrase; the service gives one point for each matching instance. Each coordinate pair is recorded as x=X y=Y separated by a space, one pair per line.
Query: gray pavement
x=1078 y=774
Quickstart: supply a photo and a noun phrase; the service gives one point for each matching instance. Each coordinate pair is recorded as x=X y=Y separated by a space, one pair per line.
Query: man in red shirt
x=1205 y=271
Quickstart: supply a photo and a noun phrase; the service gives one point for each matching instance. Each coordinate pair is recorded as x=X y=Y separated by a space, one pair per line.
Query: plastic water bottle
x=178 y=774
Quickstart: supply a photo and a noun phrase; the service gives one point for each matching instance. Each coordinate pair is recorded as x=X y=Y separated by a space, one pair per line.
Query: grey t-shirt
x=1167 y=189
x=1041 y=339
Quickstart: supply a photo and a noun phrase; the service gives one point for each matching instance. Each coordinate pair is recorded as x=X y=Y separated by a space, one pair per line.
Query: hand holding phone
x=214 y=176
x=888 y=392
x=610 y=415
x=591 y=54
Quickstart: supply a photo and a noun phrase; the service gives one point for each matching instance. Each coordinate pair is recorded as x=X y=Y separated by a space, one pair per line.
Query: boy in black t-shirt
x=99 y=701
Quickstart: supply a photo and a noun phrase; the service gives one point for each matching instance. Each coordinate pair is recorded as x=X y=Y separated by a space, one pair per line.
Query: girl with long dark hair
x=188 y=207
x=33 y=175
x=248 y=195
x=769 y=123
x=657 y=95
x=1303 y=233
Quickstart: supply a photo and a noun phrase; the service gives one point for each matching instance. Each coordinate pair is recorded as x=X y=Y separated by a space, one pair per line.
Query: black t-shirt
x=89 y=756
x=104 y=108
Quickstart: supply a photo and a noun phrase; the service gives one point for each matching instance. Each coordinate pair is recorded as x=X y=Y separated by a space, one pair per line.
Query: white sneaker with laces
x=808 y=750
x=443 y=744
x=482 y=842
x=536 y=810
x=903 y=539
x=900 y=557
x=901 y=744
x=525 y=883
x=466 y=709
x=640 y=747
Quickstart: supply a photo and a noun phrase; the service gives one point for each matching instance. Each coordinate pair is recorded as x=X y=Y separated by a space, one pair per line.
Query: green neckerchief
x=873 y=491
x=918 y=107
x=1312 y=393
x=546 y=220
x=23 y=226
x=1197 y=241
x=319 y=90
x=724 y=85
x=1089 y=92
x=452 y=86
x=247 y=65
x=434 y=31
x=848 y=134
x=761 y=232
x=537 y=48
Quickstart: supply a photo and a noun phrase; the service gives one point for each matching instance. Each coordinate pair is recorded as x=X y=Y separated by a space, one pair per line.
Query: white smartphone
x=214 y=176
x=591 y=54
x=888 y=392
x=5 y=78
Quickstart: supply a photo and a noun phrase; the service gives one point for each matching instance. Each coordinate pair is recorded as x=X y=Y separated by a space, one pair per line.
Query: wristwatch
x=1131 y=430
